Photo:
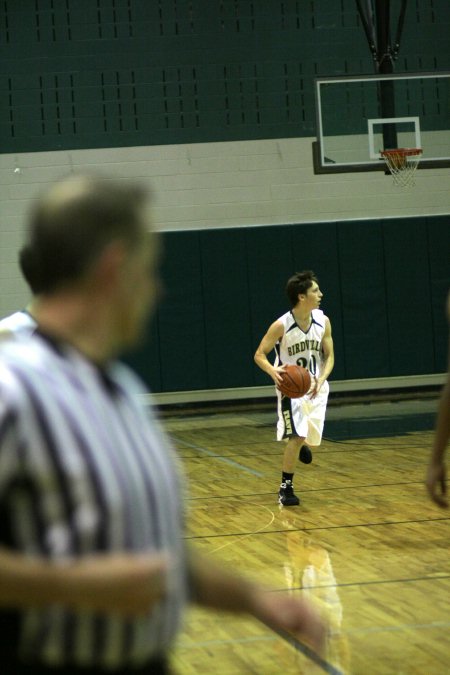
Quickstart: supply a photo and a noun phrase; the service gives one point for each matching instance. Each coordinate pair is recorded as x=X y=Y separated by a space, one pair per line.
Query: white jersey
x=303 y=417
x=17 y=325
x=299 y=347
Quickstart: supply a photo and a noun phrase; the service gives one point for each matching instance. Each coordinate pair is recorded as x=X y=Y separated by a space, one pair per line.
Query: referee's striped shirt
x=18 y=325
x=84 y=469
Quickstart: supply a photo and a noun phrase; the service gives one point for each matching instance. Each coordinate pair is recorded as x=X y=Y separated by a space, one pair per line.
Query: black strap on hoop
x=368 y=25
x=381 y=52
x=398 y=35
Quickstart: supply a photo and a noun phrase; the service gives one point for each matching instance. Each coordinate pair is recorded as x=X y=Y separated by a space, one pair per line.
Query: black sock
x=287 y=476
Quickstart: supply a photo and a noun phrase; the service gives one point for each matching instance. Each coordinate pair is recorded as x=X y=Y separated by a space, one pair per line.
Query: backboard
x=359 y=116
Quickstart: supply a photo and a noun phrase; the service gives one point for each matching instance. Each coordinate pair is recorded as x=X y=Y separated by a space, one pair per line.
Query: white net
x=402 y=163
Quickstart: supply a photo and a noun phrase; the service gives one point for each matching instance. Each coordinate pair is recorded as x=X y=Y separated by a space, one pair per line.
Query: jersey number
x=312 y=367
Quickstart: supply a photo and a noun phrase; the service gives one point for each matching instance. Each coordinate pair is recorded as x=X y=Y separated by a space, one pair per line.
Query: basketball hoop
x=402 y=163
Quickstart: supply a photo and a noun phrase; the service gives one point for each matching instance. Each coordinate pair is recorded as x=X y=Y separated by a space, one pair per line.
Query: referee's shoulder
x=20 y=348
x=129 y=381
x=11 y=383
x=22 y=355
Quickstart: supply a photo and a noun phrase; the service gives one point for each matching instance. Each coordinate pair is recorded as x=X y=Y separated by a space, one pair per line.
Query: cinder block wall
x=211 y=185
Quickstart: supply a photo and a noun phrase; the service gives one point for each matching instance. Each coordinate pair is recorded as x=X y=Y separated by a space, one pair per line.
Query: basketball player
x=95 y=568
x=436 y=480
x=302 y=336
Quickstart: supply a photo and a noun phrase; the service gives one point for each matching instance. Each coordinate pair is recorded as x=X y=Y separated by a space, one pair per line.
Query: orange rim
x=401 y=152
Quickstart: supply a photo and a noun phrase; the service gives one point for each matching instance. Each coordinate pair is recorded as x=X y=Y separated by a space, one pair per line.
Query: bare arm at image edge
x=436 y=480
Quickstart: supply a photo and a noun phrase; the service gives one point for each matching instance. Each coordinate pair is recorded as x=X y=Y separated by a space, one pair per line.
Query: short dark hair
x=73 y=222
x=27 y=268
x=299 y=284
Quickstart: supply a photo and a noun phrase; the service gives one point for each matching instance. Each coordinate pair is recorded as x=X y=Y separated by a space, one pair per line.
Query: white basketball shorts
x=303 y=416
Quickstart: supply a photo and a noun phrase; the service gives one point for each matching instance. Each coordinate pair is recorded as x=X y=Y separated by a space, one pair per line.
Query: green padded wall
x=408 y=292
x=363 y=310
x=146 y=358
x=226 y=303
x=181 y=315
x=269 y=255
x=225 y=287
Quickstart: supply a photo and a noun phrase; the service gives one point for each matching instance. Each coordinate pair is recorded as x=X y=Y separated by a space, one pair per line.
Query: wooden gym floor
x=365 y=544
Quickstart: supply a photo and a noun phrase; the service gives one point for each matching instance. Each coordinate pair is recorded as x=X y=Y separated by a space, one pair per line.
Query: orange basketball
x=296 y=381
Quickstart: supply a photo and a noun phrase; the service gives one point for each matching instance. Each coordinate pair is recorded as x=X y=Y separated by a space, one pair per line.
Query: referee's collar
x=55 y=343
x=59 y=346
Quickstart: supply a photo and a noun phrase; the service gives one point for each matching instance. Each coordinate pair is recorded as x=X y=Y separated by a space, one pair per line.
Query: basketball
x=296 y=381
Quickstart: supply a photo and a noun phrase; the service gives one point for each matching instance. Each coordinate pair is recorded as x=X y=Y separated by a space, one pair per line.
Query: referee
x=95 y=572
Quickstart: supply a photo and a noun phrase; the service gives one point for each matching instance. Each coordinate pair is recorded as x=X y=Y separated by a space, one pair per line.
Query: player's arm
x=120 y=584
x=267 y=344
x=328 y=357
x=436 y=479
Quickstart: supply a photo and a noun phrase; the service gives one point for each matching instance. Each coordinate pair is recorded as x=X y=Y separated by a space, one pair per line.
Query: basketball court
x=365 y=544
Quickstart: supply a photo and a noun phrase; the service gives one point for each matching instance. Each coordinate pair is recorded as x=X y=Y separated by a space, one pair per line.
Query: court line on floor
x=334 y=488
x=249 y=534
x=437 y=577
x=221 y=458
x=375 y=582
x=322 y=527
x=292 y=641
x=391 y=629
x=308 y=652
x=219 y=643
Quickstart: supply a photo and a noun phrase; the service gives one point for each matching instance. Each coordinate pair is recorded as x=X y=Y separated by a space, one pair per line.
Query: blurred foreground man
x=94 y=569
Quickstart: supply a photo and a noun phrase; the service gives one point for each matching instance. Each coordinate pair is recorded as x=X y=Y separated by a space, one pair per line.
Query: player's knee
x=296 y=440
